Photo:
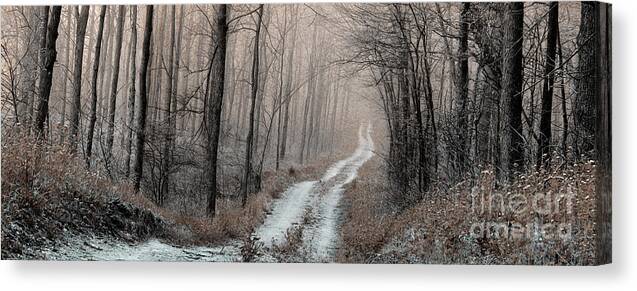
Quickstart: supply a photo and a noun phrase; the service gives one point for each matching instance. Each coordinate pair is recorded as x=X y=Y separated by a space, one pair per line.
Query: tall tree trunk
x=463 y=91
x=288 y=89
x=603 y=134
x=107 y=69
x=48 y=56
x=156 y=84
x=42 y=53
x=167 y=107
x=261 y=94
x=231 y=85
x=140 y=124
x=189 y=51
x=94 y=75
x=77 y=75
x=334 y=109
x=215 y=104
x=121 y=14
x=544 y=149
x=131 y=90
x=584 y=111
x=308 y=98
x=315 y=116
x=512 y=141
x=565 y=125
x=277 y=104
x=247 y=170
x=67 y=60
x=31 y=63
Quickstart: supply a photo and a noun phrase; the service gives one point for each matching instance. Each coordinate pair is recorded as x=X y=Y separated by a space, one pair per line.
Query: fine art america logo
x=535 y=208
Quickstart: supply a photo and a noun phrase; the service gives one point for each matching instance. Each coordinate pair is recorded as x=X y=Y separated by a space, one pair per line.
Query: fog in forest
x=305 y=132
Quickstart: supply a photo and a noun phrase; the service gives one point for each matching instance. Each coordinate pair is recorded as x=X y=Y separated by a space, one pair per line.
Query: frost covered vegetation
x=49 y=196
x=438 y=229
x=474 y=133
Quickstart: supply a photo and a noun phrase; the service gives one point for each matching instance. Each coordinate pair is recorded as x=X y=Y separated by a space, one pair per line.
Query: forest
x=460 y=132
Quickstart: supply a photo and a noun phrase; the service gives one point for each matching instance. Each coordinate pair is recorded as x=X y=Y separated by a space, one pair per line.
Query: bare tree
x=94 y=76
x=247 y=170
x=121 y=14
x=67 y=60
x=141 y=104
x=462 y=90
x=48 y=56
x=215 y=104
x=131 y=91
x=512 y=141
x=82 y=18
x=585 y=111
x=288 y=85
x=603 y=143
x=544 y=148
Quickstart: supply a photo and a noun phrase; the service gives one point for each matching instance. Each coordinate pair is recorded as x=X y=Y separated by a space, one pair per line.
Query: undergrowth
x=49 y=193
x=475 y=221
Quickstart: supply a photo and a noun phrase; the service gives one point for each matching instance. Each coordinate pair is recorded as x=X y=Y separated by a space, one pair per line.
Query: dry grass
x=439 y=228
x=367 y=216
x=233 y=221
x=291 y=249
x=47 y=191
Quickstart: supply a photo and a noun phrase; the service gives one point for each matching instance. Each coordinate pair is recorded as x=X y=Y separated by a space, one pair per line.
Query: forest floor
x=302 y=225
x=473 y=221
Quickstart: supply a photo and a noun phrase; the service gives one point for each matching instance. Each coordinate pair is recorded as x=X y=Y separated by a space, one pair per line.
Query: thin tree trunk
x=140 y=124
x=215 y=104
x=167 y=107
x=511 y=133
x=67 y=60
x=121 y=14
x=31 y=63
x=48 y=57
x=603 y=134
x=565 y=126
x=544 y=148
x=334 y=109
x=288 y=90
x=95 y=74
x=279 y=100
x=107 y=68
x=131 y=91
x=247 y=171
x=77 y=76
x=463 y=90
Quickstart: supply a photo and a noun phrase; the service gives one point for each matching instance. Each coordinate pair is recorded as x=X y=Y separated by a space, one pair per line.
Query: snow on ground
x=286 y=212
x=320 y=236
x=94 y=249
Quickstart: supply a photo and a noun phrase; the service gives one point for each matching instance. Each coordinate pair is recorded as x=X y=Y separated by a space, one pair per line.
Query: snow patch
x=324 y=236
x=286 y=211
x=93 y=249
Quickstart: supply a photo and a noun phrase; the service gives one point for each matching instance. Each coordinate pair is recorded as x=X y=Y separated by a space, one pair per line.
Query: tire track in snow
x=286 y=211
x=320 y=237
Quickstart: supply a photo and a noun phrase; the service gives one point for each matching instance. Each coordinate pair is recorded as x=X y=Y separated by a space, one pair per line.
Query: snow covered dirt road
x=311 y=206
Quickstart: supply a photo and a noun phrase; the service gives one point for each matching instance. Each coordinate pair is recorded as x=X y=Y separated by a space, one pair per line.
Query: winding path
x=316 y=201
x=312 y=204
